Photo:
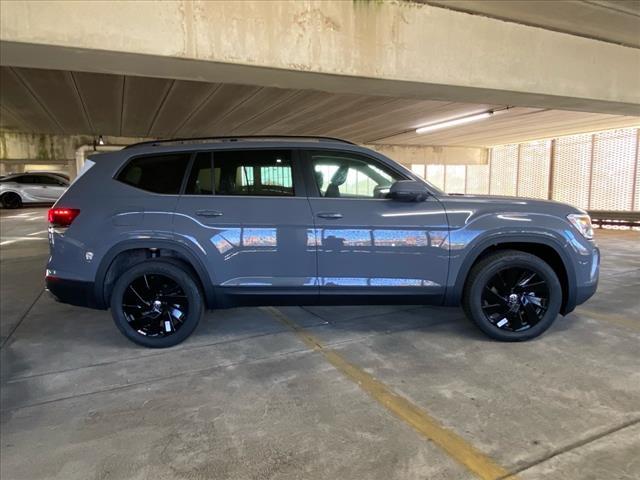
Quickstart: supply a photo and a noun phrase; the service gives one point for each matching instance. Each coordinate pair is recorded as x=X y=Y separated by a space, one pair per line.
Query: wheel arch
x=131 y=252
x=547 y=249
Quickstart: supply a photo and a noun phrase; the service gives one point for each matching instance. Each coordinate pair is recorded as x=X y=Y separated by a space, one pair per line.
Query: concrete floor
x=245 y=397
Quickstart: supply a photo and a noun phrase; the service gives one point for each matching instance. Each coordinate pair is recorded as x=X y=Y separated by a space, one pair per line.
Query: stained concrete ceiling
x=64 y=102
x=614 y=21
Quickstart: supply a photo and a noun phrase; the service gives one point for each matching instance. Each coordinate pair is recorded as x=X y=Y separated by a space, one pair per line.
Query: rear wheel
x=156 y=304
x=11 y=200
x=512 y=296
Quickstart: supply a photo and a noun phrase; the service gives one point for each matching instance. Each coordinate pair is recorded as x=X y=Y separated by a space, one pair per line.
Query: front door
x=368 y=244
x=248 y=211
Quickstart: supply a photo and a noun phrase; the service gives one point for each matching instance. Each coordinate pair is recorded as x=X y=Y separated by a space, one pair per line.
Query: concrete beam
x=390 y=48
x=409 y=155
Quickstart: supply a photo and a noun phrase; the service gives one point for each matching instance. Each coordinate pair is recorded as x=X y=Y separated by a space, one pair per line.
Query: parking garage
x=366 y=391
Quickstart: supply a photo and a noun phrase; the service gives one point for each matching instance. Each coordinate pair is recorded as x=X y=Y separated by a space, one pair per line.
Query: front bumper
x=73 y=292
x=588 y=284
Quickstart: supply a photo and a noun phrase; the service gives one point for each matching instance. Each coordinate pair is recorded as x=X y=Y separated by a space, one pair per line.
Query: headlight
x=582 y=222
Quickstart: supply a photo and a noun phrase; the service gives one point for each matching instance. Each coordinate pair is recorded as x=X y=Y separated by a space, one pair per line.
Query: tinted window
x=344 y=175
x=48 y=180
x=23 y=179
x=200 y=179
x=53 y=180
x=253 y=172
x=157 y=174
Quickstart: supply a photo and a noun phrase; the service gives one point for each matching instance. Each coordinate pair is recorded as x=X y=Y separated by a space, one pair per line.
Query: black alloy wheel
x=157 y=303
x=512 y=295
x=515 y=299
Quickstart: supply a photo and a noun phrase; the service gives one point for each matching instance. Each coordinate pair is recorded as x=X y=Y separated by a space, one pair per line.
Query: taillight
x=62 y=217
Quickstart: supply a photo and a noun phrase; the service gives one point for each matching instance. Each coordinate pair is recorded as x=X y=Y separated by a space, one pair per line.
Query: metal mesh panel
x=504 y=170
x=533 y=171
x=477 y=179
x=637 y=195
x=572 y=170
x=454 y=179
x=435 y=175
x=614 y=159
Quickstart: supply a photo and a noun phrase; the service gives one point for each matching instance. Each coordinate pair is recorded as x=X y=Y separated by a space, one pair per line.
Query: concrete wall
x=391 y=48
x=408 y=156
x=20 y=152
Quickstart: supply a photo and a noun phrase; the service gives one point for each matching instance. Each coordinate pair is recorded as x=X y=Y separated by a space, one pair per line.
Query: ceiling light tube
x=454 y=122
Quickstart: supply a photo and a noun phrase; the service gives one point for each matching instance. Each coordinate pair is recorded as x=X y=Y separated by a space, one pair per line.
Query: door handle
x=330 y=215
x=208 y=213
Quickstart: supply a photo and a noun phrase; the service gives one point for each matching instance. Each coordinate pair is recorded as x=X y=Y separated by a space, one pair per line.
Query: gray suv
x=162 y=230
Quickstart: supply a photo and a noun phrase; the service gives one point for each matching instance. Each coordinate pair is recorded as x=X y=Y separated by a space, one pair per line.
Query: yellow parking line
x=454 y=445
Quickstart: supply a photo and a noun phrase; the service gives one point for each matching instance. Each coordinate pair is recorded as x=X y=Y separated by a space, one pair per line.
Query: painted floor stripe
x=454 y=445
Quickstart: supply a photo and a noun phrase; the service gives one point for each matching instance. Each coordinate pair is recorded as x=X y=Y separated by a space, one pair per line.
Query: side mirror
x=409 y=191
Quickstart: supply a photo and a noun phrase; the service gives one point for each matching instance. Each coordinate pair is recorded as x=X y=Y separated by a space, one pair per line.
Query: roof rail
x=239 y=138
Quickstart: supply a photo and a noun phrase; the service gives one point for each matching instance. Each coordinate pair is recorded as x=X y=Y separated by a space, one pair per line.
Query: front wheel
x=512 y=296
x=11 y=200
x=156 y=304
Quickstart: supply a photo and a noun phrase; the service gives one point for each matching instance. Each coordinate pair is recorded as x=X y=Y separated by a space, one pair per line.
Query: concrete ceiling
x=65 y=102
x=614 y=21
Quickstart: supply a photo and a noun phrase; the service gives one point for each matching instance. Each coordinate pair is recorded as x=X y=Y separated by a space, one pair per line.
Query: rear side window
x=157 y=173
x=242 y=172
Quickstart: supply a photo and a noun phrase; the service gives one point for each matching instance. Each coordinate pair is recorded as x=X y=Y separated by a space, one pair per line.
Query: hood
x=463 y=208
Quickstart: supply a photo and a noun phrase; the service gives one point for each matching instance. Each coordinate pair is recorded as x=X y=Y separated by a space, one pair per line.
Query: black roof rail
x=238 y=138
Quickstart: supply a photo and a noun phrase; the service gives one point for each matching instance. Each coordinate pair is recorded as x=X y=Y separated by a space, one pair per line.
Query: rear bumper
x=73 y=292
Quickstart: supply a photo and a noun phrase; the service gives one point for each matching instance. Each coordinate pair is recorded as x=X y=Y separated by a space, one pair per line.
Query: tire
x=11 y=200
x=156 y=303
x=504 y=309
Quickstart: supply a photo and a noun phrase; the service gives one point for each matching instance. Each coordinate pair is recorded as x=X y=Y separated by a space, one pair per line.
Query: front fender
x=489 y=230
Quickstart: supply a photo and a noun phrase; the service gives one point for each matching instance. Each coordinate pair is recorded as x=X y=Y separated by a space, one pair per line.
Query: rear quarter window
x=156 y=173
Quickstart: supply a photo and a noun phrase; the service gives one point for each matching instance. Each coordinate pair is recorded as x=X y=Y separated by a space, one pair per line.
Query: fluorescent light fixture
x=454 y=122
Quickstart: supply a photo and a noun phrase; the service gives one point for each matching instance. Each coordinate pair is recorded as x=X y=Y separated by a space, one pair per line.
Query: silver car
x=22 y=188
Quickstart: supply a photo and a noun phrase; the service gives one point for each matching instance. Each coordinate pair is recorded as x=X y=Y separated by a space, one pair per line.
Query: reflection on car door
x=368 y=244
x=248 y=211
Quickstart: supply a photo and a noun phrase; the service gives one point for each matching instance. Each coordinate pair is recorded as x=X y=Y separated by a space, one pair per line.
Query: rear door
x=368 y=244
x=52 y=187
x=248 y=211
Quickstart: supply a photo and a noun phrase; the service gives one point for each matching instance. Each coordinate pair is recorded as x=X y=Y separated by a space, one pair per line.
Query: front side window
x=156 y=173
x=345 y=175
x=253 y=172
